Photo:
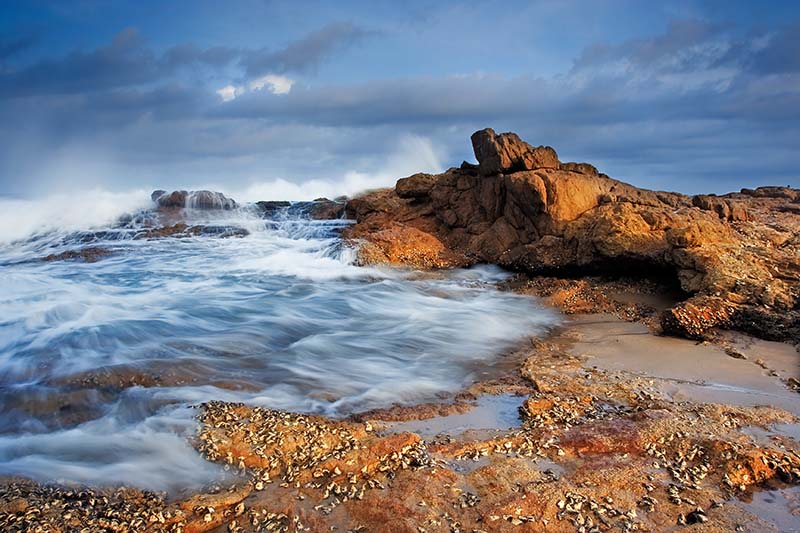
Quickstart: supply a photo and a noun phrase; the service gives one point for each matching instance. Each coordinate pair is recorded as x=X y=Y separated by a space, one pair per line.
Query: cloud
x=13 y=46
x=274 y=83
x=780 y=52
x=128 y=62
x=304 y=54
x=227 y=93
x=121 y=63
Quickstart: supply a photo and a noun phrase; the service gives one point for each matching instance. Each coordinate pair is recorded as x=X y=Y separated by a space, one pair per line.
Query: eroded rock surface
x=737 y=255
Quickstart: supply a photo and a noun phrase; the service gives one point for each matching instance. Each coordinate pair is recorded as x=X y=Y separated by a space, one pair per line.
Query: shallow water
x=100 y=363
x=778 y=507
x=491 y=411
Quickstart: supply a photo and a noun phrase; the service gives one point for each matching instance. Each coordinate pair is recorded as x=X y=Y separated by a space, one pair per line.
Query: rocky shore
x=593 y=450
x=595 y=443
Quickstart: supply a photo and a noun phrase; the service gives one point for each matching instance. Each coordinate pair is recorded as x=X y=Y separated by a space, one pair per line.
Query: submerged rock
x=90 y=254
x=185 y=230
x=524 y=210
x=193 y=200
x=318 y=209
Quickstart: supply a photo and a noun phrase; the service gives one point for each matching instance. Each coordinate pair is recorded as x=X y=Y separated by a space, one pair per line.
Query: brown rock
x=415 y=186
x=193 y=199
x=504 y=153
x=725 y=209
x=580 y=168
x=90 y=254
x=694 y=317
x=404 y=245
x=324 y=209
x=773 y=192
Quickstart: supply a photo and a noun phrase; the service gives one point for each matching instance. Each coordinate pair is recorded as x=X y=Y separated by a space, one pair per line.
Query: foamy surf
x=100 y=363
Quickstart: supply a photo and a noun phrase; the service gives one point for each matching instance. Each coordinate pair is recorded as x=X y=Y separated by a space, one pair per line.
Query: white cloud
x=227 y=93
x=274 y=83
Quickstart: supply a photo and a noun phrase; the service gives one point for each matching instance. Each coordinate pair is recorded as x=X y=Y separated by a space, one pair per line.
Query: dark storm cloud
x=13 y=46
x=121 y=63
x=675 y=44
x=184 y=55
x=304 y=54
x=128 y=62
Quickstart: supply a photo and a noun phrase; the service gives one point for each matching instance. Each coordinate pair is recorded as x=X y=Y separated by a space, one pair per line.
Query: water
x=101 y=363
x=491 y=412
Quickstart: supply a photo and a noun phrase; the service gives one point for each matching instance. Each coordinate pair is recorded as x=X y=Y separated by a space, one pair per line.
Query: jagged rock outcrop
x=193 y=200
x=523 y=209
x=497 y=154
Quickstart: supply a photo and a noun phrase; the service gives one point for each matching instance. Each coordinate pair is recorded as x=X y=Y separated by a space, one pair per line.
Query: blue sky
x=299 y=99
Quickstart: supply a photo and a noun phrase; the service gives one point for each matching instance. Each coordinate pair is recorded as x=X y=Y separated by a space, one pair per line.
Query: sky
x=293 y=100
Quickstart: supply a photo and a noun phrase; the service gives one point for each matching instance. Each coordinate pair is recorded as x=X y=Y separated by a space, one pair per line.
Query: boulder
x=504 y=153
x=580 y=168
x=90 y=254
x=726 y=209
x=324 y=209
x=416 y=186
x=269 y=208
x=193 y=200
x=693 y=317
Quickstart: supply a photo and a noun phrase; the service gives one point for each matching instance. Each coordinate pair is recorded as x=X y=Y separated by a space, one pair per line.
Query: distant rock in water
x=90 y=254
x=184 y=230
x=270 y=208
x=324 y=209
x=318 y=209
x=193 y=199
x=735 y=256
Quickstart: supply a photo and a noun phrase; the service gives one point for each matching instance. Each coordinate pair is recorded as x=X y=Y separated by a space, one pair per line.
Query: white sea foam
x=21 y=218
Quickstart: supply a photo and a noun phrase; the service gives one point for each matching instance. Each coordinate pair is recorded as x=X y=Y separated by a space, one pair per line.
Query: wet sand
x=687 y=370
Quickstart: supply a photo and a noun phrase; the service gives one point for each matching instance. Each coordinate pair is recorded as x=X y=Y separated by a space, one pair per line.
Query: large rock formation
x=737 y=257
